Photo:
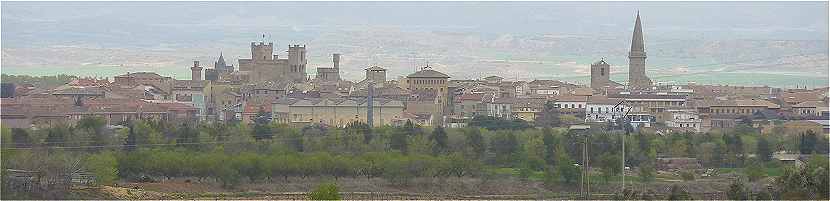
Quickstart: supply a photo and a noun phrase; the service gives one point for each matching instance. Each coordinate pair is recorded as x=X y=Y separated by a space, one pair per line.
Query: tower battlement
x=262 y=51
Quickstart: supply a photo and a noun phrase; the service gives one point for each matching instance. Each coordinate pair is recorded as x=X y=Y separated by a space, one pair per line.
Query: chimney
x=196 y=72
x=336 y=59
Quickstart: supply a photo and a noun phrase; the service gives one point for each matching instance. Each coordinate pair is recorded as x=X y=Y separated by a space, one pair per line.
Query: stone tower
x=335 y=58
x=221 y=66
x=262 y=51
x=196 y=72
x=600 y=77
x=297 y=62
x=637 y=78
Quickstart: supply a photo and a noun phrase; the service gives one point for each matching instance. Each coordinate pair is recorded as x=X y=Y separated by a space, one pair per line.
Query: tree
x=20 y=137
x=808 y=142
x=262 y=130
x=678 y=193
x=764 y=149
x=734 y=149
x=132 y=139
x=565 y=166
x=495 y=123
x=806 y=183
x=737 y=191
x=687 y=175
x=58 y=135
x=440 y=138
x=325 y=191
x=610 y=163
x=475 y=142
x=410 y=129
x=104 y=166
x=549 y=117
x=525 y=170
x=755 y=170
x=550 y=146
x=187 y=136
x=551 y=178
x=94 y=128
x=646 y=172
x=398 y=141
x=504 y=145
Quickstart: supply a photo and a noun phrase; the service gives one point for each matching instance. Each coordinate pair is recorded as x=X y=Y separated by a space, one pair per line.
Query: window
x=602 y=71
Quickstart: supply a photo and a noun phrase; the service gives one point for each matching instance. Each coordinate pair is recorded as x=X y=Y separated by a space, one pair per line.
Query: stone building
x=263 y=66
x=600 y=75
x=330 y=74
x=376 y=74
x=428 y=81
x=637 y=78
x=144 y=78
x=572 y=105
x=220 y=65
x=335 y=111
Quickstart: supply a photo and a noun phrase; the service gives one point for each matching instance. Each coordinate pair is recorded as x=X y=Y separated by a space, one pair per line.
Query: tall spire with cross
x=637 y=78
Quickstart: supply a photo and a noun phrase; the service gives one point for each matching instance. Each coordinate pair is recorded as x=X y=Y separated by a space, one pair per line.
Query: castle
x=265 y=66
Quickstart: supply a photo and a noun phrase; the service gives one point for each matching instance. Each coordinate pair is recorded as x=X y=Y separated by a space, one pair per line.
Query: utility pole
x=370 y=120
x=587 y=170
x=622 y=140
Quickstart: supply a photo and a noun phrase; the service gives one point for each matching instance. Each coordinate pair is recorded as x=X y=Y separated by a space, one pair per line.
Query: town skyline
x=681 y=48
x=410 y=100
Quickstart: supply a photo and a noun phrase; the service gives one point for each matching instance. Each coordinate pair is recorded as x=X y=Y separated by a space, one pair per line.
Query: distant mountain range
x=783 y=43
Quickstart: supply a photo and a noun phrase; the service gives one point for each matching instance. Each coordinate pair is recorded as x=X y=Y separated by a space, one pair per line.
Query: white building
x=684 y=119
x=602 y=109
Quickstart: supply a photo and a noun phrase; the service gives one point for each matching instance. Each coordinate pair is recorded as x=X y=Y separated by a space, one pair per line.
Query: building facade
x=600 y=75
x=263 y=66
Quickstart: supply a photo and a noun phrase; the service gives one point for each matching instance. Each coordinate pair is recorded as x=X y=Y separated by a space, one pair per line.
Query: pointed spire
x=637 y=38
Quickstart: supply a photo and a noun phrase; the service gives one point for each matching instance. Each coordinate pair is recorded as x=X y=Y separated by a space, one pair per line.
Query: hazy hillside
x=518 y=39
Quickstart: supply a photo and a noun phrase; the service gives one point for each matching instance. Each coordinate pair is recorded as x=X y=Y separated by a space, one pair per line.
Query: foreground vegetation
x=261 y=152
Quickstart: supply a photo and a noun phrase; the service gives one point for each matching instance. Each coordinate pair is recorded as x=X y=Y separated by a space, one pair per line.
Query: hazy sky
x=742 y=20
x=163 y=36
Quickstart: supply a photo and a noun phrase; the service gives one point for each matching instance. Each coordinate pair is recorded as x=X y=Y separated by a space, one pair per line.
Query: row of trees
x=262 y=151
x=230 y=169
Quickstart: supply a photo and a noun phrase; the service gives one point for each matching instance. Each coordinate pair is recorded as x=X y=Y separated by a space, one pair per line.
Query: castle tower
x=297 y=62
x=196 y=72
x=262 y=51
x=335 y=58
x=600 y=74
x=376 y=74
x=637 y=78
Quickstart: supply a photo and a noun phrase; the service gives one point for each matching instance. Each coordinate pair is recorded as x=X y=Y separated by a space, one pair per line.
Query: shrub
x=326 y=191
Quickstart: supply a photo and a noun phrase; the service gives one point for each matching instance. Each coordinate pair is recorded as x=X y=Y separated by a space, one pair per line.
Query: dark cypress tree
x=764 y=149
x=550 y=146
x=439 y=136
x=21 y=138
x=476 y=142
x=808 y=142
x=130 y=143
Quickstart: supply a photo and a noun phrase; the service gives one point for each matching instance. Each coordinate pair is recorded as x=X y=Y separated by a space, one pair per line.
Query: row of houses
x=671 y=108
